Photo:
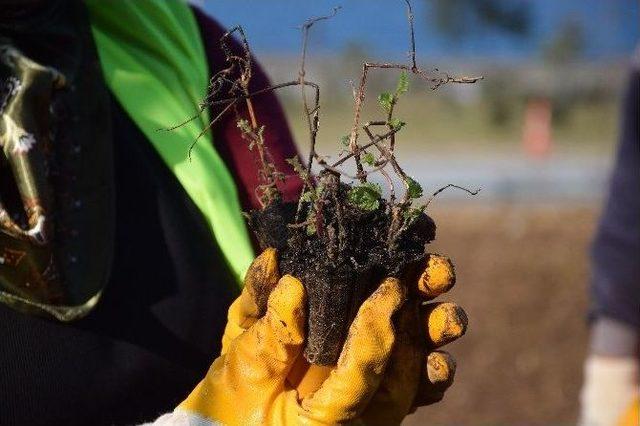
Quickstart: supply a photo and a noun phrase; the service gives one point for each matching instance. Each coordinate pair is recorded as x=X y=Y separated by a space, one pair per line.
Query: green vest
x=153 y=61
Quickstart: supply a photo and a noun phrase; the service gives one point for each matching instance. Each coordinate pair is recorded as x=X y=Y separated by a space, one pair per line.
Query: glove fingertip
x=438 y=277
x=445 y=322
x=287 y=302
x=441 y=368
x=261 y=278
x=391 y=292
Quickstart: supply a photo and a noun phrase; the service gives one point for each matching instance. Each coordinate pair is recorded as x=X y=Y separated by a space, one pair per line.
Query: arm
x=611 y=369
x=615 y=285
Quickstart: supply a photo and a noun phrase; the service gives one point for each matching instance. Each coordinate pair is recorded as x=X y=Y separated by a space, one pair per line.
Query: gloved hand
x=389 y=363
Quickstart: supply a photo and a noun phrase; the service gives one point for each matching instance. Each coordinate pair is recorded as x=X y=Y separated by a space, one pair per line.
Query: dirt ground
x=522 y=278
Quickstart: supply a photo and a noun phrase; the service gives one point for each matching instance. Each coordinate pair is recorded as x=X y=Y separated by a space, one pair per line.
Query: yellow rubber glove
x=631 y=416
x=383 y=370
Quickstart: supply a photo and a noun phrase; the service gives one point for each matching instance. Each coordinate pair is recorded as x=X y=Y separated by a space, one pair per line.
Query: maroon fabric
x=227 y=138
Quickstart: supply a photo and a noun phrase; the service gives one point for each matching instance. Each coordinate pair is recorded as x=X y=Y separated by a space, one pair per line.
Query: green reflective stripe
x=154 y=63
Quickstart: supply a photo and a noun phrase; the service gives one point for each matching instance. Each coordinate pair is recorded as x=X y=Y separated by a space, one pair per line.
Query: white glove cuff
x=610 y=385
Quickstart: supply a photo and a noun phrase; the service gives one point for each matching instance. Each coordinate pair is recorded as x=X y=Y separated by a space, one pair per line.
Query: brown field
x=522 y=278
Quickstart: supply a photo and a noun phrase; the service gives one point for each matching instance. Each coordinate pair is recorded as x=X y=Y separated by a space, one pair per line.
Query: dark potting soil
x=340 y=264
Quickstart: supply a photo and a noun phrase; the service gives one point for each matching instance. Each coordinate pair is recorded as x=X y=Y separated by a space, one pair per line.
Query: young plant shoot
x=343 y=236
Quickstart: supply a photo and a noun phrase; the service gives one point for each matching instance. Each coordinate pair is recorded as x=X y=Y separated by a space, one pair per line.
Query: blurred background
x=538 y=135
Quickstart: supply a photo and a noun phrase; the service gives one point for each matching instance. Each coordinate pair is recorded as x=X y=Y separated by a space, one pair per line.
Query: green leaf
x=365 y=196
x=308 y=196
x=369 y=159
x=243 y=125
x=412 y=213
x=295 y=162
x=312 y=194
x=311 y=229
x=297 y=166
x=396 y=123
x=414 y=190
x=345 y=140
x=403 y=83
x=386 y=101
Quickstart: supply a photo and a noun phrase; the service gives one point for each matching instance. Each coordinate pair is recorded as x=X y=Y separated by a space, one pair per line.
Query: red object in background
x=536 y=134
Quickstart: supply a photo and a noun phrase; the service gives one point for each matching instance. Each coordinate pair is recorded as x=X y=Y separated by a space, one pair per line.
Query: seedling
x=342 y=236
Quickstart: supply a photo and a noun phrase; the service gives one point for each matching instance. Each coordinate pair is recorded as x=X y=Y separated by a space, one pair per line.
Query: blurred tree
x=566 y=45
x=458 y=18
x=500 y=103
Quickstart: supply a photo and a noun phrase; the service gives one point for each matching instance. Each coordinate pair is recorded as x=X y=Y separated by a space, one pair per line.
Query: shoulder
x=209 y=26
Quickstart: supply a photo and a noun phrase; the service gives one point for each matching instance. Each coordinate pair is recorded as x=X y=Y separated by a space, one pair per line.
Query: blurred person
x=119 y=257
x=611 y=373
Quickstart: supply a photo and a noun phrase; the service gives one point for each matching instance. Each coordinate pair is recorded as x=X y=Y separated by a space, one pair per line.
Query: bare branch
x=208 y=126
x=230 y=87
x=361 y=93
x=305 y=34
x=265 y=91
x=311 y=115
x=412 y=35
x=451 y=185
x=370 y=144
x=188 y=120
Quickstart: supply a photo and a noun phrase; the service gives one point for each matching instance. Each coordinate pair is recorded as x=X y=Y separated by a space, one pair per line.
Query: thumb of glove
x=244 y=383
x=273 y=343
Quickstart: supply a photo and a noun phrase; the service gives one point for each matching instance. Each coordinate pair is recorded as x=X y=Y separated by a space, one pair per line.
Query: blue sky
x=610 y=27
